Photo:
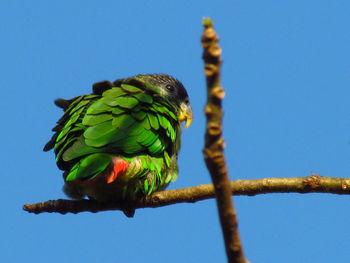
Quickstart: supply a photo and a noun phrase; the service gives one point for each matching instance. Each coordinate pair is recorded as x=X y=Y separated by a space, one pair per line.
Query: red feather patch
x=119 y=168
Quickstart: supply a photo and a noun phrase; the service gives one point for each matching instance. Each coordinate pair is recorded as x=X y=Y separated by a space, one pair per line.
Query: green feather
x=63 y=133
x=78 y=149
x=135 y=130
x=153 y=121
x=157 y=146
x=167 y=159
x=103 y=134
x=140 y=115
x=98 y=107
x=143 y=97
x=145 y=185
x=147 y=138
x=130 y=88
x=99 y=130
x=80 y=105
x=163 y=121
x=146 y=124
x=122 y=122
x=125 y=102
x=91 y=120
x=113 y=93
x=89 y=166
x=117 y=110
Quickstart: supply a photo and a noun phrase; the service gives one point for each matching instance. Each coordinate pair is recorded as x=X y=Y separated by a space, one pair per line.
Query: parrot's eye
x=170 y=88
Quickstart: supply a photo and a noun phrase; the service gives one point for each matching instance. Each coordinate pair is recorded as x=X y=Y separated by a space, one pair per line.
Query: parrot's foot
x=129 y=212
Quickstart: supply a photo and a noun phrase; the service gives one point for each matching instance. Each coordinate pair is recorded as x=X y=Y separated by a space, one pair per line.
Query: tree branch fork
x=309 y=184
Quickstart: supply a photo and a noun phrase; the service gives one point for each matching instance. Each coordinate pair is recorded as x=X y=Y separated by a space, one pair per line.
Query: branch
x=214 y=144
x=310 y=184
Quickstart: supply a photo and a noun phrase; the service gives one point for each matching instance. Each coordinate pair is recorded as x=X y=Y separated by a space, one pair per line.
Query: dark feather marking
x=99 y=87
x=62 y=103
x=51 y=143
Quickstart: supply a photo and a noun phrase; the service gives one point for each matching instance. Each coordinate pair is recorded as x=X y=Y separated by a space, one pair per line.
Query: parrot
x=122 y=141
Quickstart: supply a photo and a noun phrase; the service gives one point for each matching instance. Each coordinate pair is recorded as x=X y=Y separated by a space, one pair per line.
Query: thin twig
x=309 y=184
x=214 y=144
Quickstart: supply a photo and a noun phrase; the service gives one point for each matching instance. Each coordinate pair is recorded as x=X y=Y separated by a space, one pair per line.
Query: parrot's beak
x=185 y=114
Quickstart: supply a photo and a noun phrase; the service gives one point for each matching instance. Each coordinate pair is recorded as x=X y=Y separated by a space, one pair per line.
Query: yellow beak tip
x=188 y=122
x=186 y=115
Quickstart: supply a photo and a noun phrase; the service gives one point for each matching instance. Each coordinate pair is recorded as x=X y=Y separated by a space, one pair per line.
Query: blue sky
x=286 y=72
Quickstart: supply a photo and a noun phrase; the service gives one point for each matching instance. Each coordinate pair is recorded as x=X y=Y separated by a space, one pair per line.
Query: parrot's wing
x=122 y=121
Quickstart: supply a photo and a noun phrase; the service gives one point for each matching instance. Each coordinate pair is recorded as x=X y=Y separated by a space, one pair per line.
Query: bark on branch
x=309 y=184
x=214 y=144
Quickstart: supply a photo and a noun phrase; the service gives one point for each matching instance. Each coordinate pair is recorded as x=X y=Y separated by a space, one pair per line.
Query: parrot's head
x=173 y=92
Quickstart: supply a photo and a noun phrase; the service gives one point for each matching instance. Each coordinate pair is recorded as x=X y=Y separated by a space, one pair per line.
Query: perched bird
x=122 y=141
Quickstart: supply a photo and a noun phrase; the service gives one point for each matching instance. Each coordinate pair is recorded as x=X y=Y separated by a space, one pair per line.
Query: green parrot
x=122 y=141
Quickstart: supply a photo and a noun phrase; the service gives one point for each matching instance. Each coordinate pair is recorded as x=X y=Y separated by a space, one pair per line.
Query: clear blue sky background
x=286 y=72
